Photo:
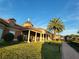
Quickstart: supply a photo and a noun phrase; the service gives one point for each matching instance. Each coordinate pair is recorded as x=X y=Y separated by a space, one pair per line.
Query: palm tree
x=55 y=25
x=78 y=32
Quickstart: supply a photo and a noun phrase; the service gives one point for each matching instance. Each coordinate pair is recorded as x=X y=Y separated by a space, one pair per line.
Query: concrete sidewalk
x=68 y=52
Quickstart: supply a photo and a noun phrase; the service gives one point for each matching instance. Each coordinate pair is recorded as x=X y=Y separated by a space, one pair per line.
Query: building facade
x=29 y=32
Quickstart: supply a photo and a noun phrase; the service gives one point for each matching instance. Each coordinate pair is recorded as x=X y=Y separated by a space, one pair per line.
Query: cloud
x=73 y=17
x=44 y=26
x=69 y=31
x=77 y=5
x=70 y=15
x=71 y=11
x=41 y=26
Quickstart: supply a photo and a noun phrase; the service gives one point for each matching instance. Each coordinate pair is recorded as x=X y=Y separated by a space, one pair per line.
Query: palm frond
x=56 y=24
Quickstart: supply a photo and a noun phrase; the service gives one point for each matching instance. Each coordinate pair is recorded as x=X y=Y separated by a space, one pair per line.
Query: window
x=1 y=31
x=12 y=32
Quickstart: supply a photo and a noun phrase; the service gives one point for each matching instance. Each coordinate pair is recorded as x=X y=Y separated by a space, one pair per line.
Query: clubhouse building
x=28 y=31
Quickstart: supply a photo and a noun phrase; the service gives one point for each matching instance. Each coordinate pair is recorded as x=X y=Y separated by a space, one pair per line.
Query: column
x=28 y=36
x=40 y=37
x=35 y=36
x=43 y=37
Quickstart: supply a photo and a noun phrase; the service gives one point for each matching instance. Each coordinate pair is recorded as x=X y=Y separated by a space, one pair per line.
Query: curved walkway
x=68 y=52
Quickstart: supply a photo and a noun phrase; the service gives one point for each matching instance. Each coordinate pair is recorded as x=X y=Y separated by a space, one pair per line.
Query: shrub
x=8 y=37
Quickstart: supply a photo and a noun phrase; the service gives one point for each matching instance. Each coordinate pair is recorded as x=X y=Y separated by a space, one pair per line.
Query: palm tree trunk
x=54 y=34
x=59 y=36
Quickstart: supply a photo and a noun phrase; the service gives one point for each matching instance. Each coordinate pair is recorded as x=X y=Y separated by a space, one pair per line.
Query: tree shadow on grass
x=5 y=44
x=50 y=51
x=74 y=45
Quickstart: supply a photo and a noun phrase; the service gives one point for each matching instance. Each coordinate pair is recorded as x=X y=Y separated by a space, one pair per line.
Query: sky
x=41 y=11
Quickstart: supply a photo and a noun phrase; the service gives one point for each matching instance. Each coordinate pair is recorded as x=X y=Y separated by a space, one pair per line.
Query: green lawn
x=39 y=50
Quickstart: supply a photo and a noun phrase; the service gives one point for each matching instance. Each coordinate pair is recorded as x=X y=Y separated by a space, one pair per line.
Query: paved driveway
x=68 y=52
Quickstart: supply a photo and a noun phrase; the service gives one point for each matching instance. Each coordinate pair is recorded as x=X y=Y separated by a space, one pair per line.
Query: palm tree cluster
x=55 y=25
